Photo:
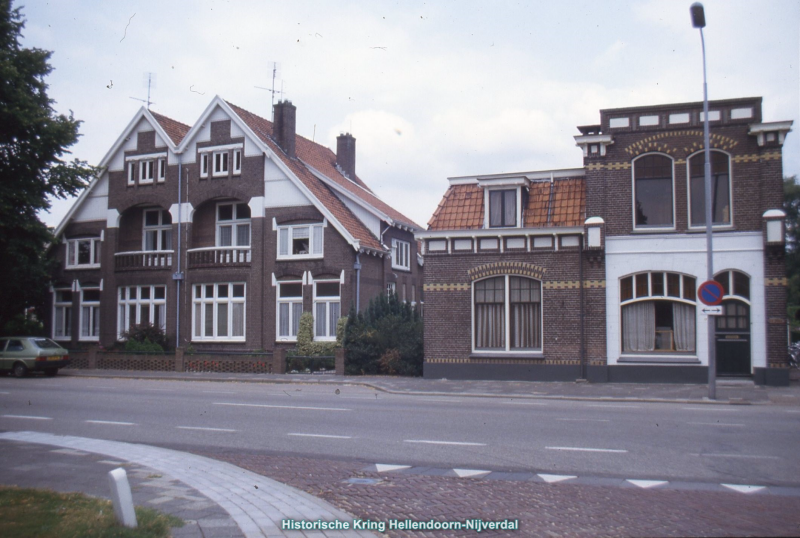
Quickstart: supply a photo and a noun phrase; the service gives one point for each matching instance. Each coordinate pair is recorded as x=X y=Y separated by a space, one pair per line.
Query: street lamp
x=699 y=21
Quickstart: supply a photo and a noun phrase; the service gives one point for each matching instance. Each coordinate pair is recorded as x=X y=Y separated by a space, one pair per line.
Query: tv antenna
x=276 y=72
x=150 y=80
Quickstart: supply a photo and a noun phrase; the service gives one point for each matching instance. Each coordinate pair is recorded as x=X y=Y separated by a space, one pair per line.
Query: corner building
x=223 y=234
x=593 y=271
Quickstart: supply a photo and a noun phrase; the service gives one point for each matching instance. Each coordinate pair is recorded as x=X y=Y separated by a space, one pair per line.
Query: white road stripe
x=525 y=403
x=110 y=422
x=283 y=406
x=27 y=416
x=161 y=390
x=204 y=429
x=620 y=406
x=710 y=408
x=319 y=435
x=424 y=441
x=787 y=410
x=579 y=449
x=584 y=419
x=746 y=456
x=436 y=400
x=219 y=392
x=5 y=393
x=714 y=424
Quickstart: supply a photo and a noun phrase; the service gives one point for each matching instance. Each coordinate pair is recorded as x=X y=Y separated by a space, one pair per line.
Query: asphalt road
x=698 y=443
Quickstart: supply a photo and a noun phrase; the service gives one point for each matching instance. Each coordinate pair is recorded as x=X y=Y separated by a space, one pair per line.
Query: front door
x=733 y=339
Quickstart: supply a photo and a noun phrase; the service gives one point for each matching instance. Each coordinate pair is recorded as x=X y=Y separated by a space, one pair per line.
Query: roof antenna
x=276 y=69
x=151 y=82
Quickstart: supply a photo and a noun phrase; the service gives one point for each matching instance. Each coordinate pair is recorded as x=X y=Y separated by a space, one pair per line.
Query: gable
x=95 y=205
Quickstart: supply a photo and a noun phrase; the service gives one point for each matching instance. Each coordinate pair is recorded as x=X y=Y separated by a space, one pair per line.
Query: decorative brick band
x=445 y=287
x=589 y=284
x=547 y=284
x=649 y=143
x=778 y=281
x=773 y=156
x=506 y=268
x=501 y=361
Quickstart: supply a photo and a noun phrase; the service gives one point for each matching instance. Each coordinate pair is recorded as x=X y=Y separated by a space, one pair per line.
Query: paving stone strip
x=257 y=504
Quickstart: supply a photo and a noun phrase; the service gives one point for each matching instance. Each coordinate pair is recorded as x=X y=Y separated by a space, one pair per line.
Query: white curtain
x=237 y=310
x=525 y=323
x=489 y=325
x=639 y=326
x=683 y=321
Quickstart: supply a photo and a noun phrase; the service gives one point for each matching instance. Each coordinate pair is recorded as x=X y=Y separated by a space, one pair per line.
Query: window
x=90 y=314
x=237 y=161
x=401 y=254
x=326 y=310
x=62 y=314
x=233 y=225
x=734 y=283
x=507 y=312
x=658 y=312
x=653 y=191
x=83 y=252
x=141 y=304
x=146 y=172
x=720 y=189
x=157 y=230
x=204 y=165
x=290 y=308
x=300 y=241
x=219 y=312
x=131 y=173
x=502 y=208
x=391 y=288
x=162 y=170
x=220 y=163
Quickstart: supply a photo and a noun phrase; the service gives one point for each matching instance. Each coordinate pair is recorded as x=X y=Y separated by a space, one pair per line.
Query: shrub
x=384 y=339
x=145 y=337
x=306 y=346
x=143 y=347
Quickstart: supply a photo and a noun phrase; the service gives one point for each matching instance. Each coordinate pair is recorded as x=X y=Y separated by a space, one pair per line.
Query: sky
x=430 y=90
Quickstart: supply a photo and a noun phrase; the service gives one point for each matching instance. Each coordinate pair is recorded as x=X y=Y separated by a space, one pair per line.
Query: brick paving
x=542 y=509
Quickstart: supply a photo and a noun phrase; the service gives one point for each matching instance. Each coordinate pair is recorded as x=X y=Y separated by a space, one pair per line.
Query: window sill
x=89 y=339
x=407 y=269
x=658 y=359
x=78 y=267
x=218 y=341
x=654 y=230
x=715 y=227
x=533 y=355
x=300 y=257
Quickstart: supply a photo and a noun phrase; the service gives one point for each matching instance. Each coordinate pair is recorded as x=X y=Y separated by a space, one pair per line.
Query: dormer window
x=220 y=163
x=503 y=208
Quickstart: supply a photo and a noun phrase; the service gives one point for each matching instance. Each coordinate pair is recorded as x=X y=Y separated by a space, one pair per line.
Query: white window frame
x=315 y=231
x=162 y=169
x=124 y=305
x=204 y=165
x=237 y=162
x=199 y=313
x=488 y=211
x=391 y=287
x=66 y=316
x=131 y=173
x=651 y=228
x=401 y=255
x=327 y=302
x=291 y=302
x=221 y=163
x=507 y=314
x=93 y=322
x=234 y=224
x=689 y=191
x=73 y=252
x=146 y=171
x=158 y=229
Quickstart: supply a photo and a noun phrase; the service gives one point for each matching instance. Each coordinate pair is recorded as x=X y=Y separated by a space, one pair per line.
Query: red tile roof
x=562 y=203
x=174 y=129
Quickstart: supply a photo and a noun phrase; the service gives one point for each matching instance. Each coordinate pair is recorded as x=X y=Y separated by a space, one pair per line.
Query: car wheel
x=51 y=372
x=20 y=370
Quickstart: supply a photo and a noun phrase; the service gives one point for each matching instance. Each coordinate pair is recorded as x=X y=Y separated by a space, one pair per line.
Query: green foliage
x=33 y=144
x=384 y=339
x=306 y=346
x=791 y=205
x=22 y=325
x=145 y=337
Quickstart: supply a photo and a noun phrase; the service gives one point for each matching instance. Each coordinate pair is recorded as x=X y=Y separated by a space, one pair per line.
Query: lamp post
x=699 y=21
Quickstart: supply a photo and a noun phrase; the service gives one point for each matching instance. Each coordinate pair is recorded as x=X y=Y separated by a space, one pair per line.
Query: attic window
x=237 y=161
x=204 y=165
x=221 y=164
x=503 y=208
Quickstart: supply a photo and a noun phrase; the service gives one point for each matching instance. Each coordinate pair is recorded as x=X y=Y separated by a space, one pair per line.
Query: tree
x=791 y=205
x=33 y=143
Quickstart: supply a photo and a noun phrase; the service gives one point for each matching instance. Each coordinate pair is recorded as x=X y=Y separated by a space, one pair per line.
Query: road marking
x=743 y=489
x=646 y=484
x=525 y=403
x=320 y=435
x=552 y=478
x=5 y=393
x=584 y=419
x=284 y=406
x=738 y=456
x=787 y=410
x=614 y=406
x=427 y=442
x=710 y=408
x=204 y=429
x=219 y=392
x=445 y=400
x=579 y=449
x=714 y=424
x=27 y=416
x=161 y=390
x=110 y=422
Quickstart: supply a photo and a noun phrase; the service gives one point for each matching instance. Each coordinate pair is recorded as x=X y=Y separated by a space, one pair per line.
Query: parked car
x=23 y=354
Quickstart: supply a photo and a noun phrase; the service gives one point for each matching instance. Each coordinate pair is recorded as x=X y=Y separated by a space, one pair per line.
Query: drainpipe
x=357 y=267
x=178 y=276
x=582 y=309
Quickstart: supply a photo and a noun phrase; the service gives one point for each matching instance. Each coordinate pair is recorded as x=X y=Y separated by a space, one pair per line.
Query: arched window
x=736 y=301
x=652 y=178
x=508 y=314
x=658 y=312
x=720 y=189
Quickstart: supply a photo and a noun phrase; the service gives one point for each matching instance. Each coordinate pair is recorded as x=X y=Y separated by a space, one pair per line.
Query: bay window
x=90 y=314
x=218 y=312
x=157 y=230
x=62 y=314
x=137 y=305
x=233 y=225
x=507 y=313
x=326 y=309
x=290 y=308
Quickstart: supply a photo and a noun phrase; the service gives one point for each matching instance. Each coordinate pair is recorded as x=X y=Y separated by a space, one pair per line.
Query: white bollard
x=122 y=498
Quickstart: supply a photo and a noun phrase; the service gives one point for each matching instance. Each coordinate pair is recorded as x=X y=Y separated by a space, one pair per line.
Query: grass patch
x=47 y=514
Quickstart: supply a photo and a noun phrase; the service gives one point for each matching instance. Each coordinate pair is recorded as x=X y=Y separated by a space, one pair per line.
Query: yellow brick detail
x=776 y=281
x=446 y=287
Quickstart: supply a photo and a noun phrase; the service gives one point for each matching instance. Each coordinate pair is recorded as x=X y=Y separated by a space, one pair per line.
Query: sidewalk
x=216 y=499
x=729 y=391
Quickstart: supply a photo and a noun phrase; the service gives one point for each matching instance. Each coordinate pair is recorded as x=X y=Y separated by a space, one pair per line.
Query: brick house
x=520 y=284
x=223 y=233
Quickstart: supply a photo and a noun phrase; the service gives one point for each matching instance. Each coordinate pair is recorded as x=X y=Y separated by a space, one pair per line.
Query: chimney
x=346 y=154
x=283 y=127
